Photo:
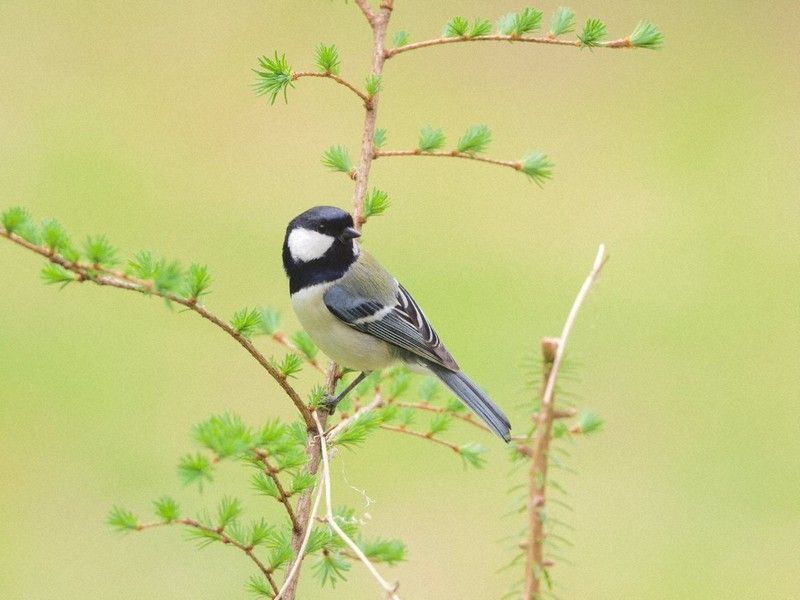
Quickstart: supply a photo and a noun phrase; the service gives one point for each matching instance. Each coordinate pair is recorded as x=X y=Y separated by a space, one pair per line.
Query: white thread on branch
x=299 y=558
x=391 y=590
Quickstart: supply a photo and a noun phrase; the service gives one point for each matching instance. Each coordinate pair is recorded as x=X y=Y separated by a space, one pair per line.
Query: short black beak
x=349 y=234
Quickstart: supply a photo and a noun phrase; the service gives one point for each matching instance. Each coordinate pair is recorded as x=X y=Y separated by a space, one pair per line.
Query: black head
x=319 y=246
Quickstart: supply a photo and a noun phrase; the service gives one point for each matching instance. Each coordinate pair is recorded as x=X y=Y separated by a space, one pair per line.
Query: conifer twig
x=424 y=436
x=125 y=282
x=466 y=418
x=513 y=164
x=553 y=41
x=391 y=590
x=553 y=352
x=377 y=402
x=219 y=532
x=335 y=78
x=280 y=338
x=283 y=497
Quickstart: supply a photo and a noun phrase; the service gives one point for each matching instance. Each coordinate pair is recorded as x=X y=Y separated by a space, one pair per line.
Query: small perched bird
x=360 y=316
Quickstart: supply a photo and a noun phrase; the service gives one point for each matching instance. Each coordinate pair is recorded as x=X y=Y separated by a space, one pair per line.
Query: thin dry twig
x=391 y=590
x=122 y=281
x=552 y=41
x=599 y=261
x=553 y=352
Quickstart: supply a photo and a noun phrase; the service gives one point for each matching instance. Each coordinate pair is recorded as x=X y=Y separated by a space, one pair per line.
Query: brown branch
x=538 y=481
x=337 y=79
x=424 y=436
x=552 y=352
x=283 y=496
x=306 y=511
x=391 y=590
x=225 y=539
x=119 y=280
x=366 y=9
x=467 y=418
x=552 y=41
x=513 y=164
x=379 y=22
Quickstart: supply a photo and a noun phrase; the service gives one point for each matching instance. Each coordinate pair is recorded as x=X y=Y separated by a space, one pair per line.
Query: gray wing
x=402 y=324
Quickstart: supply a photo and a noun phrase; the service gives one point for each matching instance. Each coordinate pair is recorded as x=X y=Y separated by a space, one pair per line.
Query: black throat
x=330 y=267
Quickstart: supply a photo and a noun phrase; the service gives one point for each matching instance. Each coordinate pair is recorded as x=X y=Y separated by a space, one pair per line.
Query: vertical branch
x=538 y=479
x=379 y=22
x=305 y=511
x=553 y=353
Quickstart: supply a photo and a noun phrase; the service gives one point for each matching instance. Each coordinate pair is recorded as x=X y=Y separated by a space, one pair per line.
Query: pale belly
x=343 y=344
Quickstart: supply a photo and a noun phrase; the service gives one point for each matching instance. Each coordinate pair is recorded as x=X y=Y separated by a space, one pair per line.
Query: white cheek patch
x=306 y=245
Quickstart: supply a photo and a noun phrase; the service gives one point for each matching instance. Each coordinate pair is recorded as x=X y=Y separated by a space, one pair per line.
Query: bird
x=360 y=316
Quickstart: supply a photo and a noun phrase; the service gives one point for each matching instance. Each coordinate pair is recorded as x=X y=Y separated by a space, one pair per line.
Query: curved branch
x=599 y=261
x=465 y=417
x=224 y=538
x=553 y=352
x=379 y=22
x=337 y=79
x=366 y=9
x=513 y=164
x=552 y=41
x=391 y=590
x=120 y=280
x=424 y=436
x=283 y=496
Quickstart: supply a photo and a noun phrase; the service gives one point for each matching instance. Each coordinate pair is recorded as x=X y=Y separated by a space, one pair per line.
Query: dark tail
x=475 y=399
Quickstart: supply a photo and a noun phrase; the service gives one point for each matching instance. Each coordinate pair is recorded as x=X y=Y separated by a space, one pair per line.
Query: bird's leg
x=331 y=402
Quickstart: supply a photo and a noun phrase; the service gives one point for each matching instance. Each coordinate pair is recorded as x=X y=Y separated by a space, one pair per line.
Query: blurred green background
x=137 y=120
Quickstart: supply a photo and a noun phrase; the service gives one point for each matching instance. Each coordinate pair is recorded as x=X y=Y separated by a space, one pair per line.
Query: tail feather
x=475 y=399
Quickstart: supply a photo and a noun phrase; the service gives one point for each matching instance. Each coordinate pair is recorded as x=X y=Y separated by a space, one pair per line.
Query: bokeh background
x=137 y=120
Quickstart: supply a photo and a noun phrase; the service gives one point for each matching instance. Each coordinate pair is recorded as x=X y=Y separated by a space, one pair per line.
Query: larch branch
x=125 y=282
x=283 y=497
x=466 y=417
x=513 y=164
x=223 y=537
x=548 y=40
x=337 y=79
x=379 y=22
x=424 y=436
x=552 y=352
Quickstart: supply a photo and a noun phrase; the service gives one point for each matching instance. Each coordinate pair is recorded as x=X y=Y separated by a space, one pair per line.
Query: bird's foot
x=329 y=403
